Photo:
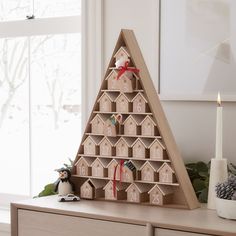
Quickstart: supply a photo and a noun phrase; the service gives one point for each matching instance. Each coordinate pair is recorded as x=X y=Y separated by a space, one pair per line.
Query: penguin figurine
x=64 y=186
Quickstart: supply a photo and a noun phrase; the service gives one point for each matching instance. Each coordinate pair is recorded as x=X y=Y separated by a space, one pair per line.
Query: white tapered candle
x=219 y=129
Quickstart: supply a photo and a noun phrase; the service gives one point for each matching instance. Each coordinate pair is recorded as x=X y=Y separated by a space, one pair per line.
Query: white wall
x=193 y=123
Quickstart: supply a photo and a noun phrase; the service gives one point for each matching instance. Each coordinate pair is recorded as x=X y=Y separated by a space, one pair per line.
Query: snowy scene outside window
x=40 y=98
x=19 y=9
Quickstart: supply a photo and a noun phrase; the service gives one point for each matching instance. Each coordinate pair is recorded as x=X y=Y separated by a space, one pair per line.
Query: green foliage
x=48 y=190
x=199 y=175
x=67 y=166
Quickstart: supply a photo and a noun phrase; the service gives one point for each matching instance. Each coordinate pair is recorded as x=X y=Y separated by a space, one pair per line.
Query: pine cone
x=224 y=190
x=234 y=196
x=232 y=181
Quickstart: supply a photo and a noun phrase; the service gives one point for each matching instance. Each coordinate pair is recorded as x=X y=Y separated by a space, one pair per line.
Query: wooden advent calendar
x=128 y=152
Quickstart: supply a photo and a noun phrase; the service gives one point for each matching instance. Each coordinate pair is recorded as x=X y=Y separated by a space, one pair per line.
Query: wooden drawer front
x=167 y=232
x=31 y=223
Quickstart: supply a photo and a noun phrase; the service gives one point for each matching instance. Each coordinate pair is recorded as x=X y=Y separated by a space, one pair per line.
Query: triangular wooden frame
x=184 y=196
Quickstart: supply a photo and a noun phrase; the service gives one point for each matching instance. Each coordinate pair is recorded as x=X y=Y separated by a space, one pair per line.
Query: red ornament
x=123 y=69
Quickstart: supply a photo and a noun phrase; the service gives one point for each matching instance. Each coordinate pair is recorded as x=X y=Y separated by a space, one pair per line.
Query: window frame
x=91 y=23
x=28 y=28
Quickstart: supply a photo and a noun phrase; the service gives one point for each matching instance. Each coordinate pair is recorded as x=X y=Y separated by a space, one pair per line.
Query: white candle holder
x=218 y=174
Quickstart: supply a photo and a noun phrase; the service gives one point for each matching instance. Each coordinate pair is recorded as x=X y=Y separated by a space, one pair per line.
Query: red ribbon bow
x=114 y=176
x=123 y=69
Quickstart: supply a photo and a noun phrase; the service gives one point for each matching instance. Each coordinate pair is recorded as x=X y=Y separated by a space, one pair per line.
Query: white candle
x=219 y=129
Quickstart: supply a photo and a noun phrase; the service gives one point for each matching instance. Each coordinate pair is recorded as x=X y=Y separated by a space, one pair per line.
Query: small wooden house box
x=97 y=124
x=140 y=104
x=166 y=174
x=129 y=171
x=122 y=54
x=140 y=148
x=83 y=166
x=92 y=188
x=131 y=125
x=148 y=127
x=149 y=171
x=119 y=192
x=160 y=195
x=106 y=102
x=123 y=103
x=90 y=145
x=99 y=167
x=127 y=82
x=111 y=169
x=110 y=129
x=137 y=192
x=123 y=147
x=157 y=150
x=106 y=146
x=112 y=82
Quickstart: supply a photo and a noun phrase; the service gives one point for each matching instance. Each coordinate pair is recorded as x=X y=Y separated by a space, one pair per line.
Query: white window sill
x=4 y=221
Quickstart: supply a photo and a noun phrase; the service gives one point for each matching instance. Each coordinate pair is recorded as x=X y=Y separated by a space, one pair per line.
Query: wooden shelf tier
x=169 y=205
x=125 y=158
x=136 y=181
x=160 y=183
x=123 y=113
x=118 y=91
x=123 y=135
x=114 y=68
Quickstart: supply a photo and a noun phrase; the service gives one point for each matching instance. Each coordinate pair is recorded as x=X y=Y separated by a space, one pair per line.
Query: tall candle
x=219 y=129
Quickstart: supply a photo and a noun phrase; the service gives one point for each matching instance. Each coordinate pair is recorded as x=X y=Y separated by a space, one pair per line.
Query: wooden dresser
x=47 y=217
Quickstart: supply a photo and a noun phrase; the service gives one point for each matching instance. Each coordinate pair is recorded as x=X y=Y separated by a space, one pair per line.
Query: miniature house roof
x=127 y=96
x=102 y=161
x=155 y=166
x=142 y=188
x=146 y=142
x=94 y=139
x=141 y=95
x=113 y=160
x=88 y=161
x=159 y=143
x=128 y=141
x=112 y=72
x=96 y=183
x=164 y=189
x=137 y=119
x=111 y=96
x=124 y=49
x=129 y=75
x=166 y=165
x=111 y=140
x=119 y=186
x=150 y=118
x=103 y=118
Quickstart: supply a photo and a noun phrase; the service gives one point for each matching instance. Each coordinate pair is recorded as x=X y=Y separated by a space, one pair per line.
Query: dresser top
x=200 y=220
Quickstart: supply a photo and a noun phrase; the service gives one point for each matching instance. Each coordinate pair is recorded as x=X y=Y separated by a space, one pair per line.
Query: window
x=40 y=91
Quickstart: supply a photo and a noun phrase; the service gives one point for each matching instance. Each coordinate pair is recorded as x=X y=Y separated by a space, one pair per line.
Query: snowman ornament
x=120 y=63
x=64 y=185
